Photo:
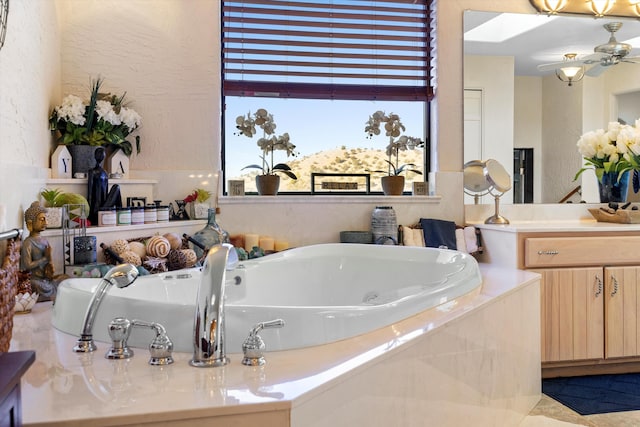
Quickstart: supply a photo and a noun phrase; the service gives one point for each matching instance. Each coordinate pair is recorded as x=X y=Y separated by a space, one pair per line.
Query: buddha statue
x=36 y=255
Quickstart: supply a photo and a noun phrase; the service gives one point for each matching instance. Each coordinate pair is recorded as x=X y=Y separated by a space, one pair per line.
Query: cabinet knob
x=615 y=286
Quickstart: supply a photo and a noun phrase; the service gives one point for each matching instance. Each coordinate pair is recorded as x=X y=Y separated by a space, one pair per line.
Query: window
x=321 y=69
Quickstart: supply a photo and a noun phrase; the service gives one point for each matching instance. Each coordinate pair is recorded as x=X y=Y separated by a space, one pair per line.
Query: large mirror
x=529 y=120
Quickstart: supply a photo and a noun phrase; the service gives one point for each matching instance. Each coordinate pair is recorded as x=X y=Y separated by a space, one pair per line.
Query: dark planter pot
x=267 y=185
x=82 y=158
x=393 y=185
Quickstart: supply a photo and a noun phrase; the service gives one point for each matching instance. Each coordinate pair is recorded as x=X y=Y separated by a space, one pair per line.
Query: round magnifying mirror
x=497 y=175
x=473 y=177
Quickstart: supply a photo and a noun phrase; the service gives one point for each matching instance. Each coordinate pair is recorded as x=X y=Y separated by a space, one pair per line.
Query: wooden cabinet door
x=571 y=314
x=622 y=302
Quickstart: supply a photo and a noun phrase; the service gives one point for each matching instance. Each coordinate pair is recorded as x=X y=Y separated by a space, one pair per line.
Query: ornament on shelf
x=118 y=164
x=61 y=163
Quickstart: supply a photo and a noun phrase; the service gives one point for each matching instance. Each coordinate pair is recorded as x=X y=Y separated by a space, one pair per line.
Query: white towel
x=471 y=239
x=461 y=245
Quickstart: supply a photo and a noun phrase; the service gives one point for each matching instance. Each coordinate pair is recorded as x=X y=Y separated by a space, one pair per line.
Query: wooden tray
x=621 y=216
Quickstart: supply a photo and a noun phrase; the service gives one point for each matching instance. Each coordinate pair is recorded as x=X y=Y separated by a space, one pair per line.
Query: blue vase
x=613 y=189
x=212 y=234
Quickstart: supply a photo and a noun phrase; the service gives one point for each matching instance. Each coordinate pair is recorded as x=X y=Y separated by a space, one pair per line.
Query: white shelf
x=72 y=181
x=53 y=232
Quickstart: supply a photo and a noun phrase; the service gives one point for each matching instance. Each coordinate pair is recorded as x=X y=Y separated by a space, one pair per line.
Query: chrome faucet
x=208 y=325
x=121 y=276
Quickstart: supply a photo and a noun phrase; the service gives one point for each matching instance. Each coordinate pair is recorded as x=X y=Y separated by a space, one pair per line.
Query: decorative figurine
x=181 y=213
x=98 y=185
x=35 y=256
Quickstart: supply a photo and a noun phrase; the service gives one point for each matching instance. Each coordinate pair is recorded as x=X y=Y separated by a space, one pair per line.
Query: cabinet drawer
x=577 y=251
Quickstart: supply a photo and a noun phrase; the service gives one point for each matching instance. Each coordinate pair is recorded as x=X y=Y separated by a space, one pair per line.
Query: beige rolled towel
x=471 y=239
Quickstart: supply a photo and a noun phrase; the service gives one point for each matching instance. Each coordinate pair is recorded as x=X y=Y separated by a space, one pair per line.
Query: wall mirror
x=530 y=120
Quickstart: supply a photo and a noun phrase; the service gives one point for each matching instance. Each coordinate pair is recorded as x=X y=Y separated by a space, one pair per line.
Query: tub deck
x=484 y=365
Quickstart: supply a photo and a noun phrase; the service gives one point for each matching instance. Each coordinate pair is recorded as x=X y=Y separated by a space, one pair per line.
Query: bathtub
x=324 y=293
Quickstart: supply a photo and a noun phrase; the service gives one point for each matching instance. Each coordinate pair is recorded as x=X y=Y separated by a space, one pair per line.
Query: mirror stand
x=496 y=218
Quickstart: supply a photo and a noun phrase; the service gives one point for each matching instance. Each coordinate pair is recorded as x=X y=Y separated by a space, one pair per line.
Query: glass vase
x=613 y=187
x=212 y=234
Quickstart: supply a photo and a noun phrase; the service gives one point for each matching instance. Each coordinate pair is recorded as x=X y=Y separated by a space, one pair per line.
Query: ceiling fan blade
x=587 y=60
x=596 y=70
x=632 y=60
x=556 y=65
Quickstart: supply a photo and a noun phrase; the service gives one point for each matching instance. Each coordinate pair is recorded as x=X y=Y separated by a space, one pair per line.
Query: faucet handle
x=119 y=330
x=253 y=347
x=161 y=347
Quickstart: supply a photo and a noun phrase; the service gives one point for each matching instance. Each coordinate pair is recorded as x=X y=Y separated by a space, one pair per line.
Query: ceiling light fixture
x=599 y=8
x=570 y=74
x=553 y=6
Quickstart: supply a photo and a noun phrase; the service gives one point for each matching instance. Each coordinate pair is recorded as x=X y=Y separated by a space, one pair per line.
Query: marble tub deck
x=467 y=359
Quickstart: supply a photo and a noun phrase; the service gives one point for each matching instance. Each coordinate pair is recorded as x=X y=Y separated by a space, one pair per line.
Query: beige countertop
x=67 y=388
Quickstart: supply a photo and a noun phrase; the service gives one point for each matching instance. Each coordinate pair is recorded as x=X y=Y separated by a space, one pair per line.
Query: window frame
x=378 y=92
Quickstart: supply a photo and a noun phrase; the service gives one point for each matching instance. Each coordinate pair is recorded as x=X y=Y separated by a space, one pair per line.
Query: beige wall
x=161 y=53
x=494 y=75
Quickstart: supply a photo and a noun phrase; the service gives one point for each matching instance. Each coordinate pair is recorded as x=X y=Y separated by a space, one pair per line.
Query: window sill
x=322 y=199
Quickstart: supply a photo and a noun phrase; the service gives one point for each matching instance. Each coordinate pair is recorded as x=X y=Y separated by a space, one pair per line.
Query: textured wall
x=29 y=79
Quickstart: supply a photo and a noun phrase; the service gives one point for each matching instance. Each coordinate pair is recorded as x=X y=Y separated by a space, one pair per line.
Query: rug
x=596 y=394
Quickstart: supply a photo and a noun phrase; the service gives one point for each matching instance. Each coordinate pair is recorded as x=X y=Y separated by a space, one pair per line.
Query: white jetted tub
x=324 y=293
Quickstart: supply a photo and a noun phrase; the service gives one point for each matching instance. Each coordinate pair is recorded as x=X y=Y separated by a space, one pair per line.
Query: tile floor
x=549 y=413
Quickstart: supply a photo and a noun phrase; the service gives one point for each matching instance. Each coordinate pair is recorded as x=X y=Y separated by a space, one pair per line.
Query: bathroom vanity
x=590 y=297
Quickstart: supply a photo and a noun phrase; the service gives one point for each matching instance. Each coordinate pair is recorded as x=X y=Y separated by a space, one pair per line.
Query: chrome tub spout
x=208 y=325
x=121 y=276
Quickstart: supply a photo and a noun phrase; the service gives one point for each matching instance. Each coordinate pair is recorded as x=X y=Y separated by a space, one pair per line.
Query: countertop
x=67 y=388
x=583 y=225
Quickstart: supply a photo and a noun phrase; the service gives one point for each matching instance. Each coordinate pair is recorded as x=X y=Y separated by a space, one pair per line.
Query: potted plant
x=53 y=203
x=393 y=183
x=268 y=182
x=197 y=199
x=55 y=199
x=104 y=120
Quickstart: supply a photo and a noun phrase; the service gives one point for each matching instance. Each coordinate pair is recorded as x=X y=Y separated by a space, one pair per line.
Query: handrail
x=10 y=234
x=571 y=193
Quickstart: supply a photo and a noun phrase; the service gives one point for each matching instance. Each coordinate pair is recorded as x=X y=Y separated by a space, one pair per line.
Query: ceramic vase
x=384 y=226
x=199 y=210
x=613 y=187
x=267 y=185
x=392 y=185
x=82 y=158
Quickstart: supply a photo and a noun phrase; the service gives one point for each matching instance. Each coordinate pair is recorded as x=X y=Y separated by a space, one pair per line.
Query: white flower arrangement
x=397 y=142
x=103 y=120
x=268 y=143
x=616 y=149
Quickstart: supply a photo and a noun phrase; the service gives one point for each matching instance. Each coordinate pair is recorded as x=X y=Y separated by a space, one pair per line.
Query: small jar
x=162 y=213
x=107 y=217
x=124 y=216
x=150 y=214
x=137 y=215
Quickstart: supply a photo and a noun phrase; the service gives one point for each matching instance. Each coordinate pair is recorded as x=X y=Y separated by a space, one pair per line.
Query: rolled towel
x=471 y=239
x=460 y=242
x=407 y=236
x=412 y=236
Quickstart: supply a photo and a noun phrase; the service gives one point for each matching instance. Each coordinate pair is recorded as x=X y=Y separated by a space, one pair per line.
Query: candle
x=250 y=240
x=281 y=245
x=237 y=240
x=266 y=243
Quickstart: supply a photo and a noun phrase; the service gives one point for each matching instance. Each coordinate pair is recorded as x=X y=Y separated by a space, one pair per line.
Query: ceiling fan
x=604 y=56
